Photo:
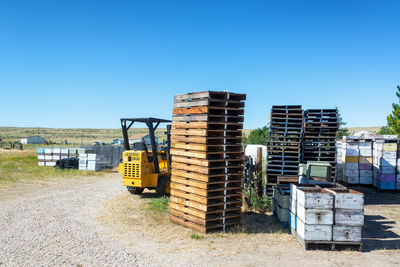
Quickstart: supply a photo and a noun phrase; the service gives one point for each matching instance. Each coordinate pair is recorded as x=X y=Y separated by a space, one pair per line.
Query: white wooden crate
x=293 y=206
x=312 y=232
x=347 y=198
x=313 y=198
x=315 y=216
x=352 y=179
x=346 y=233
x=349 y=217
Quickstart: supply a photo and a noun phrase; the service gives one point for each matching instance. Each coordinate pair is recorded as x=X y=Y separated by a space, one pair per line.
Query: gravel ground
x=53 y=225
x=94 y=221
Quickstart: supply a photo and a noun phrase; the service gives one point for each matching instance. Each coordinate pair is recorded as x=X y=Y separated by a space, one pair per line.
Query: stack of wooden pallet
x=284 y=143
x=207 y=160
x=320 y=129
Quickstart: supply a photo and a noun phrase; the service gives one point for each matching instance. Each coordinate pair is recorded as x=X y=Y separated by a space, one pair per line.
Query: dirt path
x=93 y=221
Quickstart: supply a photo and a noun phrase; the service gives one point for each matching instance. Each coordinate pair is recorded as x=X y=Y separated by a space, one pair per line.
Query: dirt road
x=93 y=221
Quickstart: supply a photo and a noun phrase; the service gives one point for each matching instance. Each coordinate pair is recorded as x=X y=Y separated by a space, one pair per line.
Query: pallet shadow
x=253 y=222
x=377 y=234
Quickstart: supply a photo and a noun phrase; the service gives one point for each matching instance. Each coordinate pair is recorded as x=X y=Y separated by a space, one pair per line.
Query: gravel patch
x=55 y=226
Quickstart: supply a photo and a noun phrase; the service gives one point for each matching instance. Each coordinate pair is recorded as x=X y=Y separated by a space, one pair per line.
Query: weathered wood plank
x=188 y=195
x=197 y=132
x=349 y=217
x=193 y=161
x=188 y=203
x=192 y=175
x=190 y=182
x=191 y=118
x=189 y=96
x=192 y=110
x=190 y=125
x=179 y=152
x=196 y=103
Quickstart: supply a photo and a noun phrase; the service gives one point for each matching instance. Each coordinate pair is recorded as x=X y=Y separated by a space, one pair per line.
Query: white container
x=314 y=216
x=41 y=157
x=64 y=151
x=365 y=146
x=41 y=163
x=349 y=217
x=347 y=198
x=389 y=154
x=311 y=232
x=312 y=198
x=48 y=157
x=351 y=152
x=56 y=157
x=56 y=150
x=47 y=151
x=91 y=156
x=366 y=153
x=293 y=206
x=50 y=163
x=347 y=233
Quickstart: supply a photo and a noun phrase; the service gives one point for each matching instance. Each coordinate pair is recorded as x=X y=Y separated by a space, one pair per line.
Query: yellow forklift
x=146 y=165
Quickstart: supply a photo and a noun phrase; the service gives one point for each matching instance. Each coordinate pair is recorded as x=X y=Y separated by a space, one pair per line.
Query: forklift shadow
x=148 y=195
x=254 y=222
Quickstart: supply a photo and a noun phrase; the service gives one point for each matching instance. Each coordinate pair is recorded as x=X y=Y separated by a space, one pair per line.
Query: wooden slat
x=197 y=132
x=194 y=161
x=179 y=152
x=196 y=103
x=192 y=110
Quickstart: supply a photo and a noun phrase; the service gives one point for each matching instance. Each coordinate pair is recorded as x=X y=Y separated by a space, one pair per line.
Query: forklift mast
x=126 y=124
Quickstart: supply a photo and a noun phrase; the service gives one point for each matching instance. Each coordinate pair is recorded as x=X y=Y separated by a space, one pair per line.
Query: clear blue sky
x=88 y=63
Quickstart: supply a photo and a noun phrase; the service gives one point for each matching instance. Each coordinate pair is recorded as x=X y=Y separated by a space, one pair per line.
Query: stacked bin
x=319 y=140
x=384 y=162
x=350 y=158
x=339 y=161
x=365 y=161
x=284 y=143
x=207 y=160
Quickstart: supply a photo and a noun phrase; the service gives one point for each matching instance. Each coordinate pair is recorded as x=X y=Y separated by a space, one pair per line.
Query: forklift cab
x=146 y=165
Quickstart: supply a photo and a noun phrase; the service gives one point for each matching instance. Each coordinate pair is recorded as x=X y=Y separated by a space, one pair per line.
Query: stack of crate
x=348 y=215
x=320 y=129
x=89 y=161
x=350 y=158
x=385 y=164
x=281 y=203
x=314 y=214
x=207 y=160
x=284 y=143
x=49 y=156
x=365 y=161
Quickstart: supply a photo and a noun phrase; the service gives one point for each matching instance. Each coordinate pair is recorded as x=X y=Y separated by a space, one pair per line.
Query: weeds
x=196 y=236
x=261 y=204
x=158 y=204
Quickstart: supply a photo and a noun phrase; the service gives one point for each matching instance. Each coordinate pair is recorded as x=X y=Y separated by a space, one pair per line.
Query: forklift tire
x=135 y=190
x=163 y=182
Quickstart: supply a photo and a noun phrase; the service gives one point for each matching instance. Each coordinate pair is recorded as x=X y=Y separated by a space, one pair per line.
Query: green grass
x=22 y=166
x=262 y=204
x=196 y=236
x=158 y=204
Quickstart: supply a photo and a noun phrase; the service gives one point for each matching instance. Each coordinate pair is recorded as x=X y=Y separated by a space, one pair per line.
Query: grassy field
x=73 y=136
x=22 y=166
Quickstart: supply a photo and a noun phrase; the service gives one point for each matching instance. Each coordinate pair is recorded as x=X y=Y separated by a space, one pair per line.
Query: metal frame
x=150 y=125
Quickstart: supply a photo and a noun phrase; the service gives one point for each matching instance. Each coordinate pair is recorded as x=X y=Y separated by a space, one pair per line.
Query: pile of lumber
x=207 y=160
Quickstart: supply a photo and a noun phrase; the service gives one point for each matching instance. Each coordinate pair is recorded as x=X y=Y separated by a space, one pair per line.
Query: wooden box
x=311 y=232
x=314 y=198
x=315 y=216
x=346 y=233
x=347 y=198
x=349 y=217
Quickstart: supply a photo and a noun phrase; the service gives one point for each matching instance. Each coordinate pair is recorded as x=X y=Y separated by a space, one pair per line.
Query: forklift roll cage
x=127 y=123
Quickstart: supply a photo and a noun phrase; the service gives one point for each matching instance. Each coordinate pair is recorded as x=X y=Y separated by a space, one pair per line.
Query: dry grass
x=73 y=136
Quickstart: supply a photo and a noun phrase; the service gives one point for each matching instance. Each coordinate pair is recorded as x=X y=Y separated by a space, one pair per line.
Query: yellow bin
x=351 y=159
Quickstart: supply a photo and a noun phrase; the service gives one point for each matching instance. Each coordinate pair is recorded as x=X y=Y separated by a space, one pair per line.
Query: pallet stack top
x=284 y=142
x=207 y=160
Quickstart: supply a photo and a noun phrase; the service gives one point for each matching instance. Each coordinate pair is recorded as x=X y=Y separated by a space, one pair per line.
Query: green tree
x=258 y=136
x=394 y=118
x=386 y=130
x=342 y=131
